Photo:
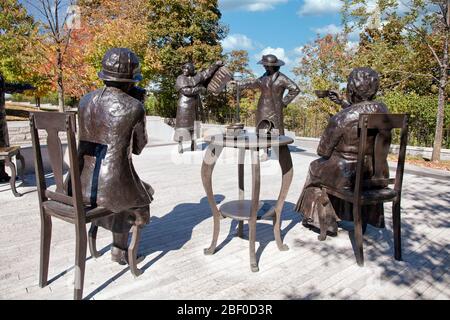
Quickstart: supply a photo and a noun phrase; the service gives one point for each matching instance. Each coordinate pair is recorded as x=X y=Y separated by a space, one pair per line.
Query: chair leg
x=323 y=219
x=12 y=182
x=46 y=236
x=240 y=232
x=397 y=232
x=22 y=166
x=93 y=241
x=358 y=234
x=80 y=261
x=364 y=227
x=180 y=146
x=133 y=249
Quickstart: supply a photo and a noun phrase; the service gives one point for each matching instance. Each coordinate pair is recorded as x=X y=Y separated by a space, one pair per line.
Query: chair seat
x=67 y=213
x=367 y=196
x=9 y=151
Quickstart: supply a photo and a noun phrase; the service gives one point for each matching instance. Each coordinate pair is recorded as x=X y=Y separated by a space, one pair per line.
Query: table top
x=248 y=141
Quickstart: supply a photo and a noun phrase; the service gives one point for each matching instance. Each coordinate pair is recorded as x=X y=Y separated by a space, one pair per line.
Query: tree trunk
x=437 y=145
x=60 y=84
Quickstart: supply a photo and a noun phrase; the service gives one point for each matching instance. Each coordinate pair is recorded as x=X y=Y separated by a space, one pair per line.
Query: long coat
x=336 y=167
x=188 y=88
x=112 y=127
x=271 y=102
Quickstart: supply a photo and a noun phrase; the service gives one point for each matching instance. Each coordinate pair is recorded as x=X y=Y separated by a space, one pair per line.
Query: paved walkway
x=181 y=226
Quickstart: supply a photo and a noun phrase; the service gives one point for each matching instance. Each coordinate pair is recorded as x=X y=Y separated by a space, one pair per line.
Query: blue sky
x=281 y=27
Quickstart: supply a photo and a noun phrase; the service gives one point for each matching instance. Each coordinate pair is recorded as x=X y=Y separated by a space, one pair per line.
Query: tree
x=16 y=30
x=424 y=25
x=324 y=65
x=56 y=37
x=20 y=48
x=180 y=32
x=238 y=63
x=126 y=27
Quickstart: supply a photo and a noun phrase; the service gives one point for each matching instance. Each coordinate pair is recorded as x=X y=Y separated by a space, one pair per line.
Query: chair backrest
x=98 y=152
x=379 y=126
x=54 y=123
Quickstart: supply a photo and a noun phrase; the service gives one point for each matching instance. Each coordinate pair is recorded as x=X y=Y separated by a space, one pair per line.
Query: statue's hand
x=219 y=63
x=334 y=96
x=201 y=90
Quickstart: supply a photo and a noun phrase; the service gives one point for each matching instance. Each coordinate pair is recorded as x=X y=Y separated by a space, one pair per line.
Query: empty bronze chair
x=374 y=189
x=65 y=202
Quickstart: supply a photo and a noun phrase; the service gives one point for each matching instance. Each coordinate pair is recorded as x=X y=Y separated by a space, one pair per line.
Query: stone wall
x=161 y=133
x=312 y=143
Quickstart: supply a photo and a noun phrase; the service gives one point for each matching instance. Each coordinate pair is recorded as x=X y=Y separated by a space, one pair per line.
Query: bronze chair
x=372 y=190
x=66 y=201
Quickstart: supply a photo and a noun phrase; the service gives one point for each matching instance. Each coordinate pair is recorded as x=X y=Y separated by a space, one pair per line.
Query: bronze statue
x=4 y=137
x=337 y=149
x=112 y=126
x=272 y=85
x=189 y=86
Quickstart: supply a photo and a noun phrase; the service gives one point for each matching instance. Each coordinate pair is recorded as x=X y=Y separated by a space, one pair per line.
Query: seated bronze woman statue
x=337 y=149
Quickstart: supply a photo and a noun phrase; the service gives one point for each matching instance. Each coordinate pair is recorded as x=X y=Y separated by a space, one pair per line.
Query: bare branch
x=31 y=3
x=69 y=34
x=413 y=74
x=48 y=10
x=398 y=82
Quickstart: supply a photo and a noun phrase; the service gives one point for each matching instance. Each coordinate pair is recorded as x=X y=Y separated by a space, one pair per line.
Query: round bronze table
x=241 y=209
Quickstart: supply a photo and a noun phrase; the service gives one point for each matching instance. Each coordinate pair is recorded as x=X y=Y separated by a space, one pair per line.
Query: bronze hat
x=120 y=65
x=271 y=61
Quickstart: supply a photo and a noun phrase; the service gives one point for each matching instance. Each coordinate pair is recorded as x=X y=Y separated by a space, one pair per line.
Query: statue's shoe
x=121 y=256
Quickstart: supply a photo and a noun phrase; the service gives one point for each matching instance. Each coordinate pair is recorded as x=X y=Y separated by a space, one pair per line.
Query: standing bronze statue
x=112 y=126
x=272 y=85
x=337 y=149
x=4 y=137
x=190 y=85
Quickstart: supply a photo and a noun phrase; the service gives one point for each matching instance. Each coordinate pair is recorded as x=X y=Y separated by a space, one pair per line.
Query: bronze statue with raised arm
x=112 y=127
x=337 y=149
x=189 y=85
x=273 y=85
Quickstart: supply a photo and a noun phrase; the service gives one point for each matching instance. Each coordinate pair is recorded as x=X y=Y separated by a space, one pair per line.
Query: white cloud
x=299 y=54
x=279 y=52
x=319 y=7
x=334 y=29
x=328 y=29
x=237 y=42
x=250 y=5
x=299 y=50
x=352 y=46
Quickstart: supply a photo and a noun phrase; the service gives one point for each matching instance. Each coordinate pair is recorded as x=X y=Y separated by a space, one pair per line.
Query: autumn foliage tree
x=126 y=27
x=17 y=27
x=179 y=32
x=410 y=48
x=55 y=37
x=324 y=64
